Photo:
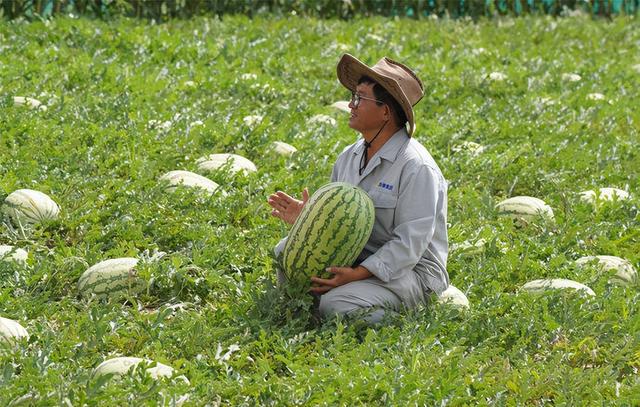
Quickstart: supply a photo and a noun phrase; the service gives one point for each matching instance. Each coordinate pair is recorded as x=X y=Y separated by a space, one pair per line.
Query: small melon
x=283 y=149
x=525 y=208
x=604 y=194
x=235 y=162
x=11 y=331
x=121 y=365
x=539 y=286
x=454 y=296
x=15 y=254
x=623 y=270
x=188 y=179
x=26 y=206
x=111 y=279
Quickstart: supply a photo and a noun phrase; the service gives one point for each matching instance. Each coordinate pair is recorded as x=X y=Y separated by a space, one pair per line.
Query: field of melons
x=539 y=107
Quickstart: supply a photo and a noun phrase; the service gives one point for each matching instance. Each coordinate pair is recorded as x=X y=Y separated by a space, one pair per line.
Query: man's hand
x=341 y=276
x=286 y=207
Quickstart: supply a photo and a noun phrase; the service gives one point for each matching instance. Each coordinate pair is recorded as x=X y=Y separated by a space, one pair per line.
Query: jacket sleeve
x=414 y=223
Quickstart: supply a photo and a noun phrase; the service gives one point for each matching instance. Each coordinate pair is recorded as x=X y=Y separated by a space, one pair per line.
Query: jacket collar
x=389 y=150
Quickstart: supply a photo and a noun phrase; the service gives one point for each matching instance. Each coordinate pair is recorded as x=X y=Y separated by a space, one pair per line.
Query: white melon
x=121 y=365
x=538 y=286
x=29 y=102
x=27 y=206
x=604 y=194
x=188 y=179
x=282 y=148
x=525 y=208
x=15 y=254
x=470 y=147
x=468 y=248
x=11 y=331
x=623 y=270
x=342 y=105
x=454 y=296
x=235 y=162
x=595 y=96
x=323 y=120
x=497 y=76
x=111 y=279
x=252 y=120
x=571 y=77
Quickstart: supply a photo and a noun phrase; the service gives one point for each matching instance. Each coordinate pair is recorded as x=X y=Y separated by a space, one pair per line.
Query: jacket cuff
x=377 y=268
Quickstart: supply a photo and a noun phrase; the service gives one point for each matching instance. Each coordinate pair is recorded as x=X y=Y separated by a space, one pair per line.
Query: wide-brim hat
x=401 y=83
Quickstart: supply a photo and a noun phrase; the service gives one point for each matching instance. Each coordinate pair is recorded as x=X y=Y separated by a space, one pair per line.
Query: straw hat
x=397 y=79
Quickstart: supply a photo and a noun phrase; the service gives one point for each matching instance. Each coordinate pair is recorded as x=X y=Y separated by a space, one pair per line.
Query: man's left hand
x=341 y=276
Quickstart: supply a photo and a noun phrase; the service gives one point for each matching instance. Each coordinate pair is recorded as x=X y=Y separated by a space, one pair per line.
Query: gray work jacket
x=410 y=198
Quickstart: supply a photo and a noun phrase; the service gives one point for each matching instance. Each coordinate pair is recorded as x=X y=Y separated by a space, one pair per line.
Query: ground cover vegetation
x=540 y=107
x=162 y=10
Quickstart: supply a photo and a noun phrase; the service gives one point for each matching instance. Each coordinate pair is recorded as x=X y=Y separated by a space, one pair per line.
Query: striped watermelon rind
x=112 y=278
x=332 y=230
x=27 y=206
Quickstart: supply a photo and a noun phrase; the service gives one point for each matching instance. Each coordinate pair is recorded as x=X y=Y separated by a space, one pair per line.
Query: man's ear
x=387 y=113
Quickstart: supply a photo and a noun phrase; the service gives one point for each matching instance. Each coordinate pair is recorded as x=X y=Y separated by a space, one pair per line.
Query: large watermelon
x=332 y=230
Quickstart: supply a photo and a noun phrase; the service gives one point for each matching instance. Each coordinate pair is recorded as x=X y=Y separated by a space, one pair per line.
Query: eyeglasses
x=356 y=99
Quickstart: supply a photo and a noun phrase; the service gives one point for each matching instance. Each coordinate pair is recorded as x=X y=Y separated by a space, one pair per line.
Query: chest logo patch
x=385 y=186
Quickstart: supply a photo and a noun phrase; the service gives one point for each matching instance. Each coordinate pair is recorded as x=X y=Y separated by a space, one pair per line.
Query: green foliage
x=124 y=100
x=163 y=10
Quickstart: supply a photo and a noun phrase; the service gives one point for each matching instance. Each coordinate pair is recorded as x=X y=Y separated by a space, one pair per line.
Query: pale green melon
x=11 y=331
x=121 y=365
x=283 y=149
x=29 y=102
x=623 y=270
x=26 y=206
x=538 y=286
x=15 y=254
x=604 y=194
x=112 y=278
x=453 y=296
x=188 y=179
x=525 y=209
x=236 y=163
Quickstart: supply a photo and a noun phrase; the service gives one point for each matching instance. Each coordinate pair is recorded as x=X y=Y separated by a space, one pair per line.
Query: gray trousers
x=370 y=299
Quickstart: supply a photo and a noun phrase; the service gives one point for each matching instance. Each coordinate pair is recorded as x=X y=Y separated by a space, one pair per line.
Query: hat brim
x=350 y=70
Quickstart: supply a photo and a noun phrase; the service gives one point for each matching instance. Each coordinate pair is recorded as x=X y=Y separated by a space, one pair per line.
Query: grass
x=211 y=311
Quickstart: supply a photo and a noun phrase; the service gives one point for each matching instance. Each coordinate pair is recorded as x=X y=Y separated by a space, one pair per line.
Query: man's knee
x=332 y=304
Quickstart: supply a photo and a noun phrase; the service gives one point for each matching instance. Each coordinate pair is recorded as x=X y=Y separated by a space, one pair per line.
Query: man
x=406 y=255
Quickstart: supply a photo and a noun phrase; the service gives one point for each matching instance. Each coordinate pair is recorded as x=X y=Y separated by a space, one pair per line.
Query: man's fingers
x=305 y=195
x=320 y=290
x=336 y=270
x=285 y=197
x=323 y=281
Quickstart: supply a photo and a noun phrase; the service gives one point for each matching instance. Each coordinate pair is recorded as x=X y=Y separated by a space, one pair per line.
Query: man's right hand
x=286 y=207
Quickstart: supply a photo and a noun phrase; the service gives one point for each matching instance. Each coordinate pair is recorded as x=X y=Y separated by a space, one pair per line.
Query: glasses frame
x=356 y=99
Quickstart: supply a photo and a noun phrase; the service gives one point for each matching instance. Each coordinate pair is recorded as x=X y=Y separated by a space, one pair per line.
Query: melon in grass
x=121 y=365
x=11 y=331
x=525 y=209
x=621 y=269
x=188 y=179
x=112 y=278
x=27 y=206
x=13 y=254
x=235 y=163
x=542 y=285
x=331 y=230
x=453 y=296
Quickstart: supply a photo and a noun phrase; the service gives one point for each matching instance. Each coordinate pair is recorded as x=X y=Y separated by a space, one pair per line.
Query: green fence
x=166 y=9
